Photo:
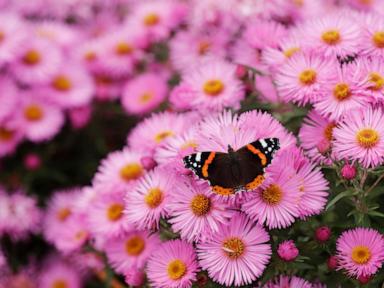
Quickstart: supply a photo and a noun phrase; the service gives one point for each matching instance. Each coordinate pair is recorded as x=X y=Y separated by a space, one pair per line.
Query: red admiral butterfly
x=242 y=169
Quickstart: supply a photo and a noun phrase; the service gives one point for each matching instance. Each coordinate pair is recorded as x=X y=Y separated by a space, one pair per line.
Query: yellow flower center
x=162 y=135
x=200 y=205
x=299 y=3
x=151 y=19
x=307 y=77
x=33 y=113
x=124 y=48
x=115 y=211
x=331 y=37
x=59 y=283
x=176 y=269
x=328 y=131
x=154 y=197
x=32 y=57
x=145 y=97
x=341 y=91
x=367 y=138
x=378 y=39
x=62 y=83
x=377 y=80
x=90 y=56
x=233 y=247
x=289 y=52
x=134 y=245
x=63 y=214
x=6 y=134
x=361 y=254
x=189 y=144
x=204 y=47
x=2 y=36
x=213 y=87
x=131 y=171
x=272 y=195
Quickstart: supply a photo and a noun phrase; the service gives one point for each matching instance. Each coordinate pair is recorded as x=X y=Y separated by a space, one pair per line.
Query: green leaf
x=337 y=198
x=376 y=213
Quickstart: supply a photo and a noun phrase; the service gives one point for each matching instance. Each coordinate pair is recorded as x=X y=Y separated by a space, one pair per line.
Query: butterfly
x=234 y=171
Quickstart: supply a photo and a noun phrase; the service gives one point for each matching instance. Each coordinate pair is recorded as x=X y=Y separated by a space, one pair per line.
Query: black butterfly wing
x=254 y=158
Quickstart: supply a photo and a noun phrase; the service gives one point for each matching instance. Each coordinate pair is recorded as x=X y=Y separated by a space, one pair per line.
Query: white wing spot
x=198 y=157
x=263 y=143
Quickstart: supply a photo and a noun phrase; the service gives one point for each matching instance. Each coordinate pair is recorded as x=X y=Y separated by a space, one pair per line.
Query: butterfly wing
x=254 y=158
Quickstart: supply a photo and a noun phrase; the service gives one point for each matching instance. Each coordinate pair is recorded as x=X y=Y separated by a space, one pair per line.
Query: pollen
x=233 y=247
x=123 y=48
x=367 y=138
x=377 y=80
x=131 y=171
x=272 y=195
x=378 y=39
x=63 y=214
x=145 y=97
x=154 y=198
x=151 y=19
x=33 y=113
x=62 y=83
x=331 y=37
x=60 y=283
x=134 y=245
x=342 y=91
x=6 y=134
x=290 y=51
x=176 y=269
x=328 y=131
x=115 y=212
x=32 y=57
x=361 y=254
x=213 y=87
x=203 y=47
x=200 y=205
x=308 y=77
x=163 y=135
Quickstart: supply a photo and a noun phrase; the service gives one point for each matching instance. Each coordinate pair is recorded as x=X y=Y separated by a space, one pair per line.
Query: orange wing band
x=255 y=183
x=222 y=191
x=209 y=160
x=258 y=153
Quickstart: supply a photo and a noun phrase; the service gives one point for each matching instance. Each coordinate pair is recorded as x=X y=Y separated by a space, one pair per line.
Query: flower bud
x=332 y=262
x=322 y=233
x=148 y=162
x=323 y=146
x=32 y=161
x=364 y=279
x=348 y=172
x=287 y=250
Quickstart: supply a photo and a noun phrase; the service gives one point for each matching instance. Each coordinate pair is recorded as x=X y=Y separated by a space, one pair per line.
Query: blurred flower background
x=101 y=100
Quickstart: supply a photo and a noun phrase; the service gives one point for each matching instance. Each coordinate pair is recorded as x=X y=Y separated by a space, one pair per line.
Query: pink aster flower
x=237 y=254
x=11 y=134
x=301 y=77
x=57 y=273
x=360 y=136
x=119 y=169
x=195 y=213
x=267 y=89
x=215 y=85
x=144 y=93
x=315 y=130
x=71 y=86
x=131 y=250
x=151 y=132
x=372 y=40
x=80 y=116
x=37 y=60
x=12 y=34
x=275 y=202
x=243 y=53
x=287 y=250
x=360 y=251
x=148 y=200
x=336 y=34
x=9 y=98
x=105 y=212
x=373 y=68
x=57 y=32
x=41 y=119
x=173 y=265
x=181 y=97
x=134 y=277
x=345 y=91
x=286 y=281
x=268 y=33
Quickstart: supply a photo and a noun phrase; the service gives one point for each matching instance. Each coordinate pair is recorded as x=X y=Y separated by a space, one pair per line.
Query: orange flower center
x=124 y=48
x=204 y=47
x=308 y=77
x=63 y=214
x=60 y=283
x=162 y=135
x=154 y=198
x=367 y=138
x=33 y=113
x=361 y=254
x=213 y=87
x=328 y=131
x=32 y=57
x=342 y=91
x=62 y=83
x=131 y=171
x=151 y=19
x=115 y=212
x=378 y=39
x=145 y=97
x=272 y=195
x=135 y=245
x=6 y=134
x=200 y=205
x=377 y=80
x=289 y=52
x=90 y=56
x=176 y=269
x=331 y=37
x=233 y=247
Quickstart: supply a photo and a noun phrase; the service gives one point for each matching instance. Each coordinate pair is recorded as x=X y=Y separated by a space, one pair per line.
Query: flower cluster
x=193 y=77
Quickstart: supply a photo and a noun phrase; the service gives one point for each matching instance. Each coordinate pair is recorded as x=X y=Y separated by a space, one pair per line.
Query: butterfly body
x=229 y=172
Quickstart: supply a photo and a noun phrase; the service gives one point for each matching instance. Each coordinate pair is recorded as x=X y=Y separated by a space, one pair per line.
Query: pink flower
x=148 y=200
x=57 y=273
x=360 y=136
x=301 y=78
x=144 y=93
x=131 y=250
x=80 y=116
x=173 y=265
x=332 y=262
x=348 y=172
x=11 y=134
x=237 y=254
x=322 y=234
x=360 y=251
x=12 y=36
x=9 y=97
x=372 y=40
x=287 y=250
x=181 y=97
x=214 y=85
x=134 y=277
x=286 y=281
x=32 y=161
x=373 y=69
x=194 y=212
